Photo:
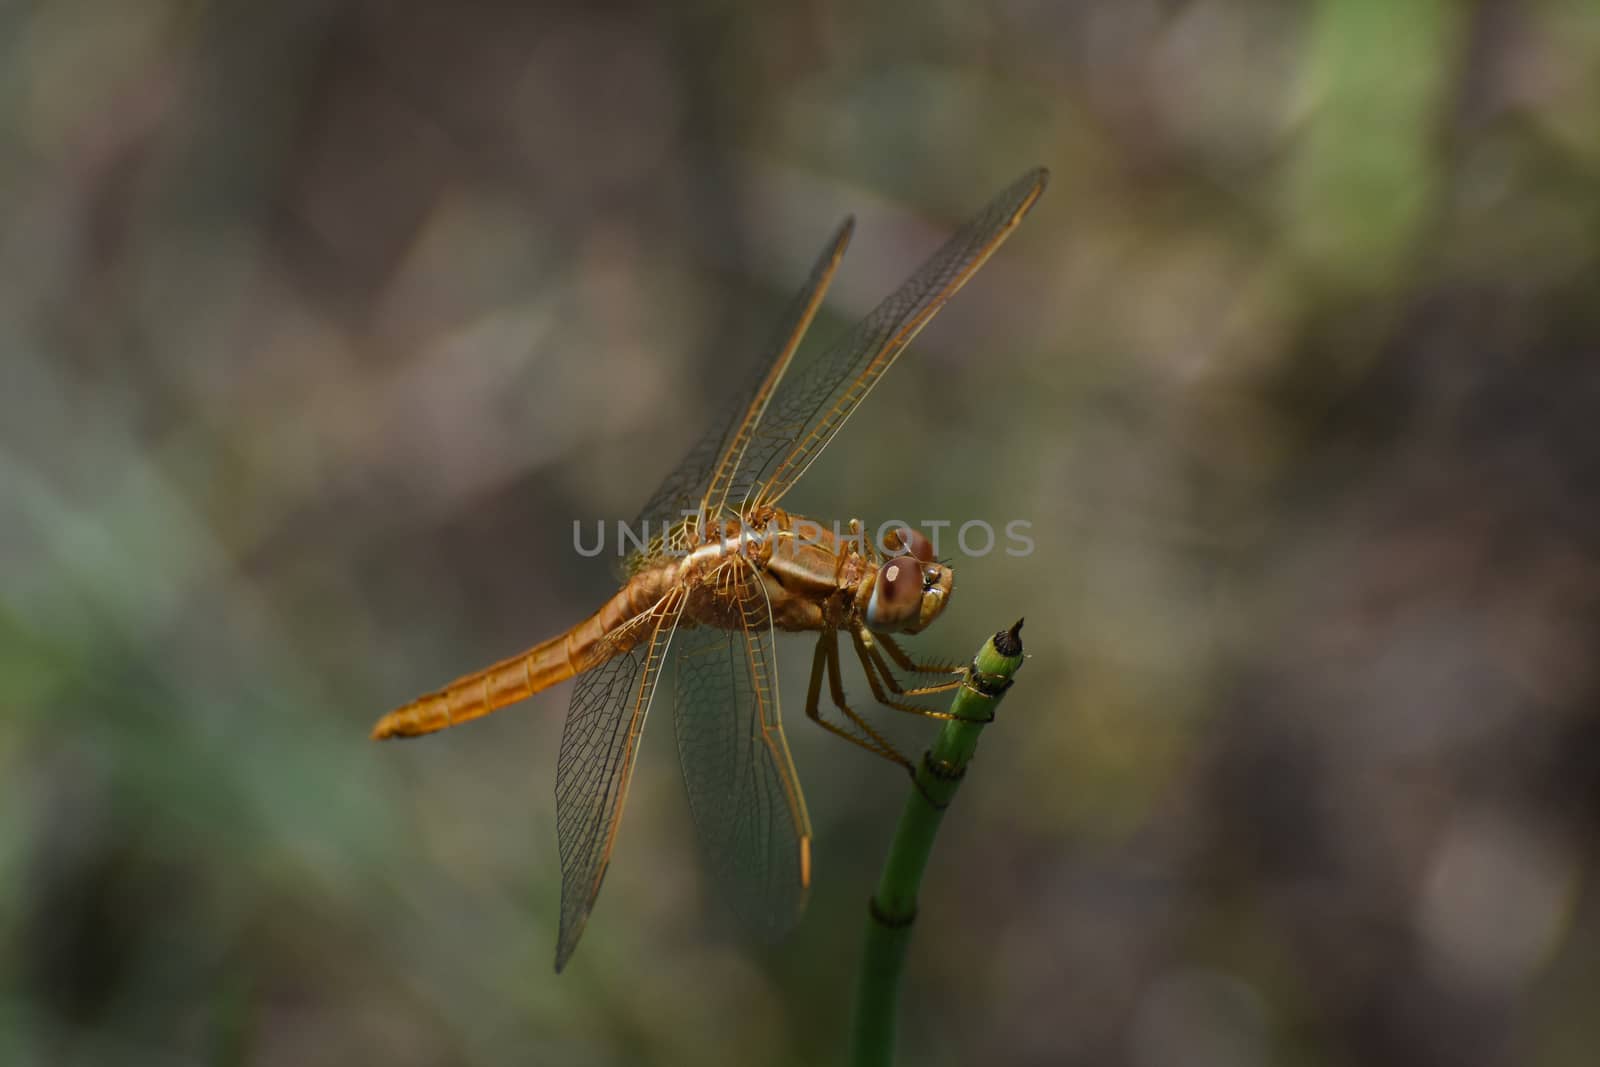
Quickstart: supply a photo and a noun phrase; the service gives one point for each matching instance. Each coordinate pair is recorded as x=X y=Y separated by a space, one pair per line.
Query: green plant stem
x=892 y=911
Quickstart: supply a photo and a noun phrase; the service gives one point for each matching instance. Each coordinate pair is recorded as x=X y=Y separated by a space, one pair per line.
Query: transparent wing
x=819 y=392
x=748 y=810
x=598 y=745
x=703 y=475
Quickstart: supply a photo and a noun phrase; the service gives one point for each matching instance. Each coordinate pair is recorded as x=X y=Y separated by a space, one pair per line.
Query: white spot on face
x=891 y=574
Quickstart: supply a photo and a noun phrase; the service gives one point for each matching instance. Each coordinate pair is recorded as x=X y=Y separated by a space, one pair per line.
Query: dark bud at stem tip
x=1009 y=642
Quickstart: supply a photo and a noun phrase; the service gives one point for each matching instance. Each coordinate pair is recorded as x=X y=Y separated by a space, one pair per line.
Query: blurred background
x=321 y=323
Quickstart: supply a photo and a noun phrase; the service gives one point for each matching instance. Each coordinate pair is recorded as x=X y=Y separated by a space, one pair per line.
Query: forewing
x=706 y=471
x=598 y=746
x=821 y=391
x=748 y=809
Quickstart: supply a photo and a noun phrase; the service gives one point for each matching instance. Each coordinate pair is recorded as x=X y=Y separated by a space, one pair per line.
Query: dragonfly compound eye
x=903 y=539
x=897 y=594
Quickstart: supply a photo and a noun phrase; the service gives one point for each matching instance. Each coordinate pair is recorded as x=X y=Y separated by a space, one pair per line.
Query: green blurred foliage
x=321 y=322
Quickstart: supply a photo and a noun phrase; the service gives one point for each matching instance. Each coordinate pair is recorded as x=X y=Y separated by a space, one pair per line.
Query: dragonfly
x=703 y=600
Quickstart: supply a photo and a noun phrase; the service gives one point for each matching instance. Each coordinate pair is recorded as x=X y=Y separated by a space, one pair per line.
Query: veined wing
x=598 y=746
x=700 y=481
x=748 y=810
x=819 y=393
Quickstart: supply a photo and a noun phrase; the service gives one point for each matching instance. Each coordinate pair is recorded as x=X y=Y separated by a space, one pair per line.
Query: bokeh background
x=321 y=322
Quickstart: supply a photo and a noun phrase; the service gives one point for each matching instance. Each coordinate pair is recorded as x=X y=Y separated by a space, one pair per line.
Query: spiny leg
x=872 y=664
x=827 y=658
x=893 y=683
x=854 y=545
x=908 y=664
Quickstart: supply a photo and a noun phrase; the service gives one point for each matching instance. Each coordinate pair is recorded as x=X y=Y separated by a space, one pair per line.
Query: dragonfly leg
x=873 y=665
x=907 y=663
x=873 y=643
x=893 y=683
x=827 y=659
x=855 y=543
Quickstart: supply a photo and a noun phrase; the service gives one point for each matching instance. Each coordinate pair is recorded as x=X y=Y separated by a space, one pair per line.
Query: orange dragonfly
x=728 y=568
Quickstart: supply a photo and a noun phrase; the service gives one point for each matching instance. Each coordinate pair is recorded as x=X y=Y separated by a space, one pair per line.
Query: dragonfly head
x=907 y=594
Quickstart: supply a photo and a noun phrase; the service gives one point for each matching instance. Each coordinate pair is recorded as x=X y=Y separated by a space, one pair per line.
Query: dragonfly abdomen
x=477 y=694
